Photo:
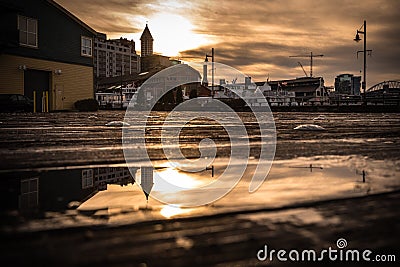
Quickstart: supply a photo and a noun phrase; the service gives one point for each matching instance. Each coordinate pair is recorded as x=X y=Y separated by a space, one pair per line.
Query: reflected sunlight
x=181 y=179
x=169 y=210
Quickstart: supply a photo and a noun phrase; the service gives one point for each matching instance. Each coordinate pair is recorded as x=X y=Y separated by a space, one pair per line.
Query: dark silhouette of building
x=45 y=53
x=114 y=57
x=306 y=89
x=54 y=190
x=348 y=84
x=146 y=41
x=148 y=60
x=155 y=62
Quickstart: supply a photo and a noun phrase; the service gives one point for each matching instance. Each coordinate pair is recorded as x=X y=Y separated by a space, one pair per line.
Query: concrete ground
x=230 y=239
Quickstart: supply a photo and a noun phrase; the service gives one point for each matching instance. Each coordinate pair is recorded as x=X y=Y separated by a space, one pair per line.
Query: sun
x=172 y=33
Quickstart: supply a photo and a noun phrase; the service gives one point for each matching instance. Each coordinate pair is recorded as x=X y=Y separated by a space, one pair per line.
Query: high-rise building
x=348 y=84
x=114 y=57
x=146 y=41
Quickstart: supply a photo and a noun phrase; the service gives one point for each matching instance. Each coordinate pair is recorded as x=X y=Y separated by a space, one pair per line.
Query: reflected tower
x=146 y=181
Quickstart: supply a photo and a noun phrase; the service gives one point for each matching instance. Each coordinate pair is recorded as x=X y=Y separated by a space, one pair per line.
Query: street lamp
x=212 y=70
x=363 y=30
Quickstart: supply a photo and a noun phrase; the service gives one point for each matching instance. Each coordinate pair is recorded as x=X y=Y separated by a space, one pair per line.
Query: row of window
x=28 y=36
x=112 y=48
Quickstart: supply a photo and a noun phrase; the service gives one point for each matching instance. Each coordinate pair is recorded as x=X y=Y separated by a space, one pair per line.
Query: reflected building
x=54 y=190
x=46 y=190
x=112 y=175
x=146 y=180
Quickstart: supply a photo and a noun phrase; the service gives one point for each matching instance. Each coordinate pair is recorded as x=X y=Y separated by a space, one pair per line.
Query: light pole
x=121 y=95
x=363 y=30
x=212 y=70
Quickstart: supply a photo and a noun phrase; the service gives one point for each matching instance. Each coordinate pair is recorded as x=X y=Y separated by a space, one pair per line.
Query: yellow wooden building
x=46 y=54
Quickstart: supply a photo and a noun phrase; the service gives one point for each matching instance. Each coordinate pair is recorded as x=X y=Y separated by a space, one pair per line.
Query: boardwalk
x=231 y=239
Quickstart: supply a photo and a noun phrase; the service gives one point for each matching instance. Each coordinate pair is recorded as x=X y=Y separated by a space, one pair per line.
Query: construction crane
x=302 y=68
x=311 y=56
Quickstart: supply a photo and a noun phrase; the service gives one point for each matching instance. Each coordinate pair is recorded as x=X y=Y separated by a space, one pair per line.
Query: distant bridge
x=385 y=85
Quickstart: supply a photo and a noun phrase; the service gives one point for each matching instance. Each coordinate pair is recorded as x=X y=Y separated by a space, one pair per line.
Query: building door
x=59 y=97
x=36 y=81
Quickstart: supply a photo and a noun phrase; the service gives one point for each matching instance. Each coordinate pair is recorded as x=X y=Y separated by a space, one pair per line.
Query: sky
x=258 y=37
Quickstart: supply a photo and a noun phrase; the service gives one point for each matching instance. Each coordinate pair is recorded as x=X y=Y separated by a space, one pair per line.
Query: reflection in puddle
x=181 y=179
x=58 y=190
x=300 y=216
x=169 y=211
x=112 y=195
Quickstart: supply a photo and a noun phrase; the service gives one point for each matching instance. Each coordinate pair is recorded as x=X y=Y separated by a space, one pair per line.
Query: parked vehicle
x=15 y=103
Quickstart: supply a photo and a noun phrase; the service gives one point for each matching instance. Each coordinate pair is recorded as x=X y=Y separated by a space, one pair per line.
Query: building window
x=86 y=46
x=28 y=31
x=29 y=197
x=87 y=178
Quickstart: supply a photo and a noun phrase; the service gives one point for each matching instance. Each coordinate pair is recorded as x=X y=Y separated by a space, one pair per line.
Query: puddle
x=43 y=199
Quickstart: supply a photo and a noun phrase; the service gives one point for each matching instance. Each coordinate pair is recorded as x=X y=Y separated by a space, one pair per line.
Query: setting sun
x=172 y=33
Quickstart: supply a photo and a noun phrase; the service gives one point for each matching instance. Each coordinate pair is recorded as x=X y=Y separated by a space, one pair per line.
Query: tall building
x=348 y=84
x=148 y=60
x=114 y=57
x=146 y=43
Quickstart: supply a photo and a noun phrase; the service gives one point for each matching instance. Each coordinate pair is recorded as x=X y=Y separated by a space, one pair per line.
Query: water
x=51 y=163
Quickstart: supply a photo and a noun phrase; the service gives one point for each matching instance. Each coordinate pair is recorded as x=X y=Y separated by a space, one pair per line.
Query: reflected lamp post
x=363 y=31
x=212 y=70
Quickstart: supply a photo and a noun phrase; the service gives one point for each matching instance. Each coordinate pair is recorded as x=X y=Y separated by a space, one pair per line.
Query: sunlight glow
x=169 y=210
x=172 y=33
x=181 y=179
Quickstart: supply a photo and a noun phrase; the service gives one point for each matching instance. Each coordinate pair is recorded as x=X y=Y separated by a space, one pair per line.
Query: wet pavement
x=314 y=193
x=226 y=239
x=65 y=139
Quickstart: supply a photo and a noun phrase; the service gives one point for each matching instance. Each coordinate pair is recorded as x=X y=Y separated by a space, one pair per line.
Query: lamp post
x=212 y=70
x=121 y=94
x=363 y=30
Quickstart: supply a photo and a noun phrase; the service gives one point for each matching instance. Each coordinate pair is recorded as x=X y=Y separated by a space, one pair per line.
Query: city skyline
x=258 y=38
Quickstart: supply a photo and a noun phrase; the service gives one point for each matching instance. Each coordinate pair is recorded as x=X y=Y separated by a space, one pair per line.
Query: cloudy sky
x=257 y=37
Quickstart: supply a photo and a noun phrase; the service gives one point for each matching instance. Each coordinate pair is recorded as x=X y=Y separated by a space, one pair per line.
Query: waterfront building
x=181 y=75
x=46 y=54
x=301 y=91
x=278 y=97
x=114 y=57
x=156 y=62
x=348 y=84
x=245 y=90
